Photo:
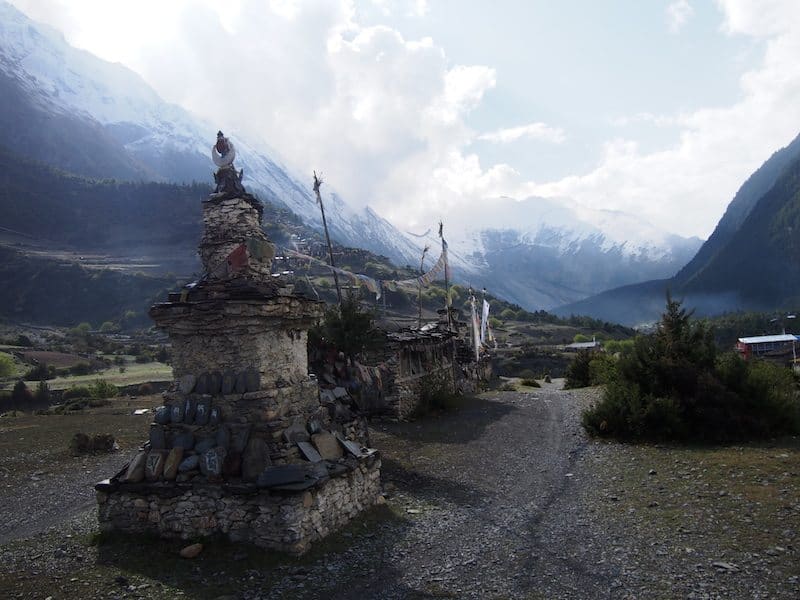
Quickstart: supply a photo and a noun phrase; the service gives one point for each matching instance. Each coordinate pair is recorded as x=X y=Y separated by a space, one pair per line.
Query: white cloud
x=678 y=13
x=407 y=8
x=532 y=131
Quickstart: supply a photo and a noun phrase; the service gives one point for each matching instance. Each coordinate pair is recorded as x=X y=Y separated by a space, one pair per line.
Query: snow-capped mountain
x=556 y=250
x=68 y=108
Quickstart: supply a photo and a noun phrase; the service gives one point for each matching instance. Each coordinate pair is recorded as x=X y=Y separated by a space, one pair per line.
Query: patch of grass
x=706 y=503
x=134 y=374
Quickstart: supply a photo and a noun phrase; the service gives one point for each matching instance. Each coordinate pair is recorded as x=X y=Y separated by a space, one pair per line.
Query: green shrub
x=77 y=391
x=531 y=383
x=39 y=372
x=7 y=366
x=20 y=394
x=527 y=374
x=578 y=372
x=42 y=393
x=82 y=368
x=602 y=369
x=103 y=389
x=672 y=385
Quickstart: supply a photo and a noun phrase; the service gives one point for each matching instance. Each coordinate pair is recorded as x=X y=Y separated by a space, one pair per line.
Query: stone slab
x=327 y=446
x=309 y=452
x=135 y=471
x=281 y=475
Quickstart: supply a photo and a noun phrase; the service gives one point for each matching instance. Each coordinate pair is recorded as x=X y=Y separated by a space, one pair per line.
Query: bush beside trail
x=673 y=385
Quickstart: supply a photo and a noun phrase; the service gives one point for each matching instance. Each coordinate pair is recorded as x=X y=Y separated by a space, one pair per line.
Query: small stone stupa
x=243 y=445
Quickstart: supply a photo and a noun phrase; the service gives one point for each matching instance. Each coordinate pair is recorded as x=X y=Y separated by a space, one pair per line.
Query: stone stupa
x=242 y=446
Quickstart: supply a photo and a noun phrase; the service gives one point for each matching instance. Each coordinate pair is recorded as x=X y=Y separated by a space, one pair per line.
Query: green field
x=134 y=374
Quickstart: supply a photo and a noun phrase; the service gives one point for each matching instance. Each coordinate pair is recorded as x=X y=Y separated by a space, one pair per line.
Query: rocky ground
x=503 y=497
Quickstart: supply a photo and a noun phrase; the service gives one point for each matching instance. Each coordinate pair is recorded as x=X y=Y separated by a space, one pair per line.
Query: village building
x=780 y=346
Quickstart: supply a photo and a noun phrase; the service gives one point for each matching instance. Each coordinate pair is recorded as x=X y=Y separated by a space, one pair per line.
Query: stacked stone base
x=280 y=520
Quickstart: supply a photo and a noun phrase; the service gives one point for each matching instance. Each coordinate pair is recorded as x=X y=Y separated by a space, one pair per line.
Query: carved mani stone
x=202 y=412
x=154 y=466
x=176 y=413
x=189 y=408
x=211 y=462
x=172 y=462
x=162 y=416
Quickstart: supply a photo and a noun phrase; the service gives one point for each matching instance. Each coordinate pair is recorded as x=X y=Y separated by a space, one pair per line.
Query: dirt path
x=483 y=498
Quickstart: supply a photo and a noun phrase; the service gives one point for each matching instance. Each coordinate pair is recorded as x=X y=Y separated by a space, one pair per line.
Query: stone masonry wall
x=228 y=224
x=407 y=395
x=272 y=520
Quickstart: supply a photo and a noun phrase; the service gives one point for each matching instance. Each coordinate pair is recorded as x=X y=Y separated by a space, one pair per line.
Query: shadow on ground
x=462 y=424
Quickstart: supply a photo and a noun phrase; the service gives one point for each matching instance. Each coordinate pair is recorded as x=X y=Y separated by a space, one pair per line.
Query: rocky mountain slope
x=750 y=262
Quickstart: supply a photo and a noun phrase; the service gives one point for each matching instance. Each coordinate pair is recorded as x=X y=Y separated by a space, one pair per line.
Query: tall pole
x=419 y=295
x=317 y=184
x=446 y=278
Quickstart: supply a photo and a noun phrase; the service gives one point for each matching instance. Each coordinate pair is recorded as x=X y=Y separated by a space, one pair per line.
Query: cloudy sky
x=424 y=108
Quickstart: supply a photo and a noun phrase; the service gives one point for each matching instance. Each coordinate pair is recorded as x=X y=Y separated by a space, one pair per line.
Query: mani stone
x=255 y=459
x=241 y=383
x=211 y=462
x=162 y=415
x=309 y=452
x=186 y=384
x=253 y=379
x=135 y=472
x=215 y=384
x=202 y=412
x=176 y=413
x=339 y=393
x=327 y=446
x=215 y=416
x=295 y=433
x=228 y=382
x=189 y=463
x=203 y=384
x=185 y=440
x=189 y=408
x=154 y=465
x=158 y=440
x=174 y=459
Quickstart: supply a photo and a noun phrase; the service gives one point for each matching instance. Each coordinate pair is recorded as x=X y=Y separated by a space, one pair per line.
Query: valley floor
x=504 y=497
